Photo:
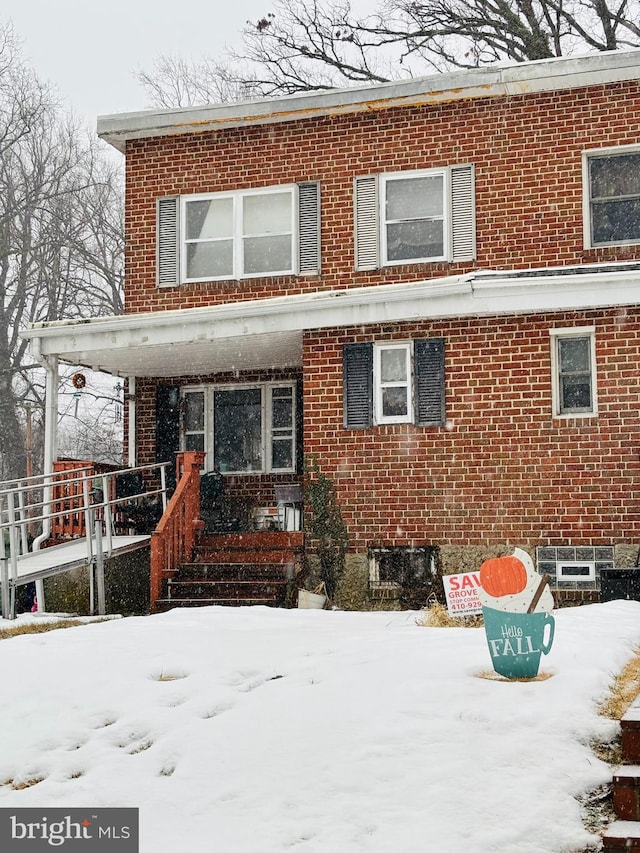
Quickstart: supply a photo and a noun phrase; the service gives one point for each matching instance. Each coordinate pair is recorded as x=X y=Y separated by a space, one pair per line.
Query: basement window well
x=574 y=566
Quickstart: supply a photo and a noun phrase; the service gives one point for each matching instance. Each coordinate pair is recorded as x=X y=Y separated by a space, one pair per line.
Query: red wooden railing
x=70 y=480
x=173 y=540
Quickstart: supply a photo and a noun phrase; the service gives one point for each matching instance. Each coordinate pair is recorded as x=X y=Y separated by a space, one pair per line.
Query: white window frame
x=379 y=386
x=266 y=389
x=389 y=177
x=572 y=332
x=563 y=565
x=205 y=422
x=237 y=234
x=594 y=154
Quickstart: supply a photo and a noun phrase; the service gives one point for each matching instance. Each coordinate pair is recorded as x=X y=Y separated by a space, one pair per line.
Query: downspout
x=131 y=432
x=50 y=365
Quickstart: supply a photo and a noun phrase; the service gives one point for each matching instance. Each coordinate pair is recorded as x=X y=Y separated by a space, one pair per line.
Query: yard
x=258 y=730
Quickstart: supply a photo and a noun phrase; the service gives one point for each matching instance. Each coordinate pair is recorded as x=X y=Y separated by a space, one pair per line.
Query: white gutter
x=458 y=295
x=491 y=81
x=278 y=313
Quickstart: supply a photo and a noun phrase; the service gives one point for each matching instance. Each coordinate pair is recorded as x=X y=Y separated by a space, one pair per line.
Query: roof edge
x=490 y=81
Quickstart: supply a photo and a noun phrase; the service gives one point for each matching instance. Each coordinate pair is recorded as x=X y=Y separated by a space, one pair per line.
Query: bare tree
x=60 y=233
x=91 y=420
x=303 y=45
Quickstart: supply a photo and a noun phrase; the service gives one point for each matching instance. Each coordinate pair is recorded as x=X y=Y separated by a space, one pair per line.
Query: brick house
x=432 y=287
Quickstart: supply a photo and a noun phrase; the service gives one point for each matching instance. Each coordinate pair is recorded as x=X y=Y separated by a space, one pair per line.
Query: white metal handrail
x=20 y=499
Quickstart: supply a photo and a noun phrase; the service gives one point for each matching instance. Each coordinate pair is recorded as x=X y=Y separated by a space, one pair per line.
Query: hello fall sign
x=516 y=604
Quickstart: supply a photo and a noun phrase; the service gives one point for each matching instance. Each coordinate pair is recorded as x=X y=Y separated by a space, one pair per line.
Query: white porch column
x=50 y=364
x=51 y=413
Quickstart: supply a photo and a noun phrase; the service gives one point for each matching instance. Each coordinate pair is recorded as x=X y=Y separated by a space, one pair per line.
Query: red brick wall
x=257 y=489
x=526 y=149
x=502 y=471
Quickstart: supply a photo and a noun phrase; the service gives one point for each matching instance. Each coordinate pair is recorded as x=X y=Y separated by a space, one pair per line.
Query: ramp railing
x=73 y=502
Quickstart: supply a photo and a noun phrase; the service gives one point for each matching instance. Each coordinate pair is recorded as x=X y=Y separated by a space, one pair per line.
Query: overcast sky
x=90 y=51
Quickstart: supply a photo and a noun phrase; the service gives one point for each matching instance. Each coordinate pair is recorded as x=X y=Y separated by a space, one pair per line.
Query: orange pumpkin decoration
x=503 y=576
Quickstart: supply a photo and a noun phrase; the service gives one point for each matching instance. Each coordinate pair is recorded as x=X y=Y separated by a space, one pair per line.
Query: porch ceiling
x=167 y=358
x=268 y=332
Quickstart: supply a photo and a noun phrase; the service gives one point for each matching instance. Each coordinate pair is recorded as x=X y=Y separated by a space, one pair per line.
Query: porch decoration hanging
x=118 y=388
x=78 y=380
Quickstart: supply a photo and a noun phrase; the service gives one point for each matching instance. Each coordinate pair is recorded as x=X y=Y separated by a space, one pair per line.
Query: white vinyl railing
x=74 y=503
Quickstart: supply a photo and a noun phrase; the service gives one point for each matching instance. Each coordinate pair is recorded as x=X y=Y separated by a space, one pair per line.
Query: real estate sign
x=461 y=592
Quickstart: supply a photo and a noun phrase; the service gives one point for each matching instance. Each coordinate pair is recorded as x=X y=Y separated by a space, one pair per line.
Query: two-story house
x=431 y=287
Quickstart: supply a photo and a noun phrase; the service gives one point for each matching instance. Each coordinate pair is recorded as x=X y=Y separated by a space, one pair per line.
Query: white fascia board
x=473 y=294
x=243 y=319
x=504 y=295
x=490 y=81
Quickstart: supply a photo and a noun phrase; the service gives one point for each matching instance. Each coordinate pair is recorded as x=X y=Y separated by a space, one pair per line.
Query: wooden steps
x=237 y=569
x=623 y=835
x=626 y=792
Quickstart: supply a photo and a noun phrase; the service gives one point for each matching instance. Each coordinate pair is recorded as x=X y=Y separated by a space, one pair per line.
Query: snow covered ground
x=255 y=730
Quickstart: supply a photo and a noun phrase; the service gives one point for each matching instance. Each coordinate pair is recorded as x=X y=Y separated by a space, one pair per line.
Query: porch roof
x=268 y=332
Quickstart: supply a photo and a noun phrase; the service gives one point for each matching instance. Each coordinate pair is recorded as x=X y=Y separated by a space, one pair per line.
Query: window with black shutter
x=377 y=387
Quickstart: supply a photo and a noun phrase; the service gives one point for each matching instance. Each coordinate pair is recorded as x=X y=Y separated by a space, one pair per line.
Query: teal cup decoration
x=517 y=640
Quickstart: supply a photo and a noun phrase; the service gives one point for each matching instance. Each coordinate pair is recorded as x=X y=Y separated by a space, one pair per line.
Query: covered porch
x=198 y=378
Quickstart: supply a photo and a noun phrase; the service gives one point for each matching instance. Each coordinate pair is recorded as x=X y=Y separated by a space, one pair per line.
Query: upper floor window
x=612 y=197
x=395 y=382
x=238 y=234
x=243 y=234
x=415 y=217
x=573 y=371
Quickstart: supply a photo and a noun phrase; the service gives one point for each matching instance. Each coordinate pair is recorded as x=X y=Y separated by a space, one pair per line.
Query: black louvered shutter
x=358 y=385
x=428 y=368
x=168 y=428
x=299 y=463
